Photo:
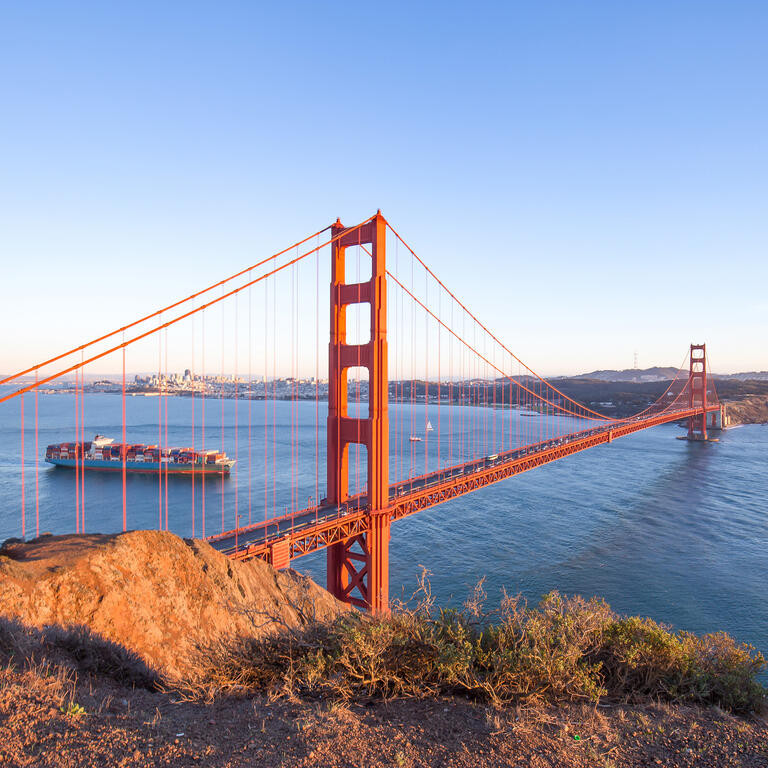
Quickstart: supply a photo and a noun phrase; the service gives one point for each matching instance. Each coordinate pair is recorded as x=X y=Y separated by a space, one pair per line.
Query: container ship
x=104 y=454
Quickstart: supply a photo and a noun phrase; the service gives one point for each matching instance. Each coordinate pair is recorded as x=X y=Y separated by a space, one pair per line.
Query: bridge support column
x=717 y=420
x=358 y=568
x=697 y=391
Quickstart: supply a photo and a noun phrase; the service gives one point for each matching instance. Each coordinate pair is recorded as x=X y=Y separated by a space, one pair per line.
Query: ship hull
x=145 y=467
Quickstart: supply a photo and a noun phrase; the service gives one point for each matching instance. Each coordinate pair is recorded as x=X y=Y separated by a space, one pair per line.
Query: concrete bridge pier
x=717 y=420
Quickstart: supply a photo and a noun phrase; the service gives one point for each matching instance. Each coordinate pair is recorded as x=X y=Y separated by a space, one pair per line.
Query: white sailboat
x=416 y=438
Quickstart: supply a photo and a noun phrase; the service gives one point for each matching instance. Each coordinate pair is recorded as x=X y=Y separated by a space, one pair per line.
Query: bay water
x=657 y=526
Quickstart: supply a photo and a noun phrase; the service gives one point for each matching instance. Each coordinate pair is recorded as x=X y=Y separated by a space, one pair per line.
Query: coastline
x=752 y=409
x=121 y=690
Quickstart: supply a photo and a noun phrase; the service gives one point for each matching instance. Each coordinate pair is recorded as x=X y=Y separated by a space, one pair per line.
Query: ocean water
x=660 y=527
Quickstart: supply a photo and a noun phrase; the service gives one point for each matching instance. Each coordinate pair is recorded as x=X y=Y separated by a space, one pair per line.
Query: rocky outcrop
x=152 y=592
x=749 y=410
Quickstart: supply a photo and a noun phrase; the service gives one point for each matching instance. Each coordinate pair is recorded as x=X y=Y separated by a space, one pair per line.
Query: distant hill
x=658 y=373
x=747 y=376
x=630 y=374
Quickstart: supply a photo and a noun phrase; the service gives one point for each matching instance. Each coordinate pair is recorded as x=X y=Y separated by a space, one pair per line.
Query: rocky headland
x=143 y=649
x=752 y=409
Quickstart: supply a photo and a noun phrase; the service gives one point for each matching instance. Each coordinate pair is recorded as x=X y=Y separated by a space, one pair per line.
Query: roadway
x=412 y=494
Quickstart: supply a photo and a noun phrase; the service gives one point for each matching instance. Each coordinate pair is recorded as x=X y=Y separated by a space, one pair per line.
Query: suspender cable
x=439 y=399
x=450 y=393
x=82 y=435
x=37 y=468
x=426 y=378
x=237 y=438
x=292 y=390
x=194 y=459
x=167 y=447
x=23 y=494
x=77 y=464
x=250 y=402
x=274 y=398
x=124 y=450
x=413 y=373
x=160 y=431
x=202 y=426
x=221 y=415
x=317 y=384
x=266 y=400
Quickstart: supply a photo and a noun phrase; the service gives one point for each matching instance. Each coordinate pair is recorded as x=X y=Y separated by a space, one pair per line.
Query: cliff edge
x=151 y=591
x=748 y=410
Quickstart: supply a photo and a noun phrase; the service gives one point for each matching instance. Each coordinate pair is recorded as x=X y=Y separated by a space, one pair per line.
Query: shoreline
x=114 y=693
x=748 y=410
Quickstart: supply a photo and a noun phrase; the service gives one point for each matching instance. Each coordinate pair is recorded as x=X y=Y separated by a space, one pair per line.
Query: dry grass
x=75 y=649
x=563 y=650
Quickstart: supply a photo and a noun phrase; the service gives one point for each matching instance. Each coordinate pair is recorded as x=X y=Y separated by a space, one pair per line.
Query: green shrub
x=565 y=649
x=641 y=658
x=725 y=673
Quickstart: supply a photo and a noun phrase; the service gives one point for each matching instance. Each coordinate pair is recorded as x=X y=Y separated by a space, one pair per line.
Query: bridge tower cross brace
x=358 y=568
x=697 y=391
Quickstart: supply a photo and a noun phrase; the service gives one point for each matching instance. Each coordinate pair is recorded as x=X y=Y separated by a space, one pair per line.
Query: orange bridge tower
x=358 y=568
x=697 y=392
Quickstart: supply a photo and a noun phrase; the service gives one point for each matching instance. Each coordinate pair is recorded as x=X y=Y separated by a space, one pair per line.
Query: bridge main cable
x=164 y=309
x=491 y=334
x=160 y=327
x=596 y=417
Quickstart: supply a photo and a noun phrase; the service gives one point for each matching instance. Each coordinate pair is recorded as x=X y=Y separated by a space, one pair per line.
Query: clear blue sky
x=618 y=150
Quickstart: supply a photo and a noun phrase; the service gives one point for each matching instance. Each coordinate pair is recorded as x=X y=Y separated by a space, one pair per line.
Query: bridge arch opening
x=357 y=389
x=358 y=265
x=357 y=468
x=358 y=322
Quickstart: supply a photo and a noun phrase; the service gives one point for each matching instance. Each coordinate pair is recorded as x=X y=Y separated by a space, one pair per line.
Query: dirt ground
x=51 y=718
x=68 y=699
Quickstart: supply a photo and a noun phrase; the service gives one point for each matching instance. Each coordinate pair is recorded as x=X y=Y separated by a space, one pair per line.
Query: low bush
x=564 y=649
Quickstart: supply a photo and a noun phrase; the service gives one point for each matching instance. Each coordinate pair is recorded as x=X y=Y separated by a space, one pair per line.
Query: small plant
x=73 y=709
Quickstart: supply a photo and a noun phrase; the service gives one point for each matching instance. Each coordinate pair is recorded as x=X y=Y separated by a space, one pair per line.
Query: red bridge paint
x=354 y=527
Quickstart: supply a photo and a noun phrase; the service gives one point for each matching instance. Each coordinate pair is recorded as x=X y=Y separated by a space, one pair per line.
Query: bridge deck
x=311 y=529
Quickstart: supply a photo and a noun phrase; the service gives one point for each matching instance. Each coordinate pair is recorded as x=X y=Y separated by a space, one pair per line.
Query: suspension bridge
x=392 y=351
